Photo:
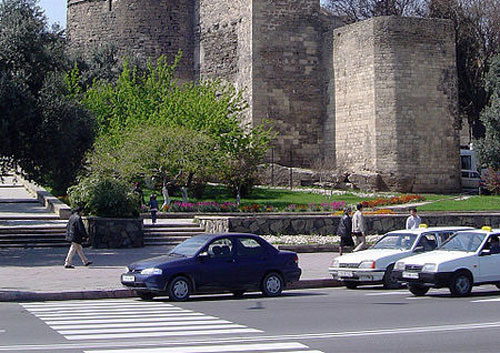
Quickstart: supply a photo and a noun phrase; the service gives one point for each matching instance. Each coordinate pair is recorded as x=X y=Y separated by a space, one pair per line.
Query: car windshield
x=403 y=241
x=463 y=241
x=189 y=247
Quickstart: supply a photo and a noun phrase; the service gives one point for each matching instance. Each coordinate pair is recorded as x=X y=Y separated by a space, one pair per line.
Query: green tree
x=489 y=146
x=43 y=131
x=192 y=123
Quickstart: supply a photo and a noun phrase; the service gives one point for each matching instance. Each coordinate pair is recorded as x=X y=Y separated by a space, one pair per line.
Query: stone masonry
x=377 y=98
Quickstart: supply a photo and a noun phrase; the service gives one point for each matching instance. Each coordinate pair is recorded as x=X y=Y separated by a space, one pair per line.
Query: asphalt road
x=368 y=319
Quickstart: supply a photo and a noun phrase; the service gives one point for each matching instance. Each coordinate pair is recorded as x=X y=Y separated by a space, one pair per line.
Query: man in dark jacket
x=75 y=233
x=345 y=231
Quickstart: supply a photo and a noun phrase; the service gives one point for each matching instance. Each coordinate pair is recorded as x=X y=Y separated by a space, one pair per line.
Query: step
x=33 y=236
x=170 y=225
x=32 y=217
x=159 y=243
x=21 y=231
x=34 y=245
x=35 y=240
x=172 y=234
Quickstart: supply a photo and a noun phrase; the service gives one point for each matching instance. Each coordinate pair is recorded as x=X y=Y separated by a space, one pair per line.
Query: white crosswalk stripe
x=86 y=320
x=259 y=347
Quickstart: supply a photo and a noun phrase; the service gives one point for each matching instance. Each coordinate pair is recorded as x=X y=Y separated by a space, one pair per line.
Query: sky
x=55 y=10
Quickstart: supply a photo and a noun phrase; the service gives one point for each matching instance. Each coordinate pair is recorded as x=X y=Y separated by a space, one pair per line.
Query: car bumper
x=434 y=279
x=357 y=275
x=138 y=281
x=292 y=275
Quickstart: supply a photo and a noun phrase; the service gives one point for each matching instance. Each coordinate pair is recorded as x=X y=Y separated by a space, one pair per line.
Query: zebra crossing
x=114 y=319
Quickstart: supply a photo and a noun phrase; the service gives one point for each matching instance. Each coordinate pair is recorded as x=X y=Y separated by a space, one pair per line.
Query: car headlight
x=429 y=268
x=152 y=271
x=335 y=263
x=400 y=266
x=367 y=264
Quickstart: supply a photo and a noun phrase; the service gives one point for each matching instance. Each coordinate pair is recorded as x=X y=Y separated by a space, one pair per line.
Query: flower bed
x=396 y=200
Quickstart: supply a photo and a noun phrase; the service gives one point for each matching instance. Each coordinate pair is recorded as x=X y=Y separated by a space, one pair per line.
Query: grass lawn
x=278 y=198
x=474 y=203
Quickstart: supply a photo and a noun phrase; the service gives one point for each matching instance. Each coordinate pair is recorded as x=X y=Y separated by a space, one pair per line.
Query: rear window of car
x=248 y=247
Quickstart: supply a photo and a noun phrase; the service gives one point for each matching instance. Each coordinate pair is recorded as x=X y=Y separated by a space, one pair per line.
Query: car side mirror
x=419 y=249
x=485 y=252
x=203 y=255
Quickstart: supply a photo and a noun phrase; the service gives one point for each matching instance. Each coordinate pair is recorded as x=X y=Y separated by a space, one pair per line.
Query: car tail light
x=296 y=260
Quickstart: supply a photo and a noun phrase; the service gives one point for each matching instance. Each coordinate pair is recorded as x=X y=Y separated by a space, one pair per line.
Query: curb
x=19 y=296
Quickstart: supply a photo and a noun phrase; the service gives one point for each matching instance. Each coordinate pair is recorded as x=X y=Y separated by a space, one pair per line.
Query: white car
x=375 y=265
x=461 y=262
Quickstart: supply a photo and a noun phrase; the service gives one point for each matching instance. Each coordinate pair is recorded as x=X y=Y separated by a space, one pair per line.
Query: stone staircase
x=171 y=233
x=23 y=234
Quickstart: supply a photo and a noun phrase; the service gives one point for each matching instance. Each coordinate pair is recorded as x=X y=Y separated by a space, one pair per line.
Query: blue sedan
x=215 y=263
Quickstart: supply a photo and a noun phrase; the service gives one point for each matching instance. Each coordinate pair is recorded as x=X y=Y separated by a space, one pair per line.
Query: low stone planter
x=114 y=233
x=324 y=224
x=303 y=248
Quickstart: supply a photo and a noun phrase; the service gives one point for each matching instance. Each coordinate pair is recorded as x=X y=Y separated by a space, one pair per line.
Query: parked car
x=471 y=179
x=214 y=263
x=460 y=263
x=375 y=265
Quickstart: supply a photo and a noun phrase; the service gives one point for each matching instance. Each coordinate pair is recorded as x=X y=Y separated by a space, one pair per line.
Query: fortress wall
x=329 y=23
x=225 y=29
x=354 y=81
x=416 y=104
x=287 y=76
x=149 y=28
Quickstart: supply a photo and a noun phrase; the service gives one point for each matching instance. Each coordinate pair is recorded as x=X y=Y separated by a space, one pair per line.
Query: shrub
x=104 y=196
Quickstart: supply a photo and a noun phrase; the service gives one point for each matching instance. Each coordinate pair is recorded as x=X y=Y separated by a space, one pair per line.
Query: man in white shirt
x=413 y=221
x=359 y=228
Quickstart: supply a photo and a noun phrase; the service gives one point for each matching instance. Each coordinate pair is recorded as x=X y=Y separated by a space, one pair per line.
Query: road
x=368 y=319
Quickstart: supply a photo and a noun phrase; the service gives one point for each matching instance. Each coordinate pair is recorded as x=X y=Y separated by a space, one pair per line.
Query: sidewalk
x=38 y=274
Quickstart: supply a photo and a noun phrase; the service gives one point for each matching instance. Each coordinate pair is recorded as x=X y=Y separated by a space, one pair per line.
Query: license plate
x=128 y=278
x=413 y=275
x=345 y=274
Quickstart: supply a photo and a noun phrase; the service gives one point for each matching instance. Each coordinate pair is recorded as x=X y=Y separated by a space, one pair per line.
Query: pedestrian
x=76 y=233
x=344 y=230
x=359 y=228
x=153 y=207
x=138 y=191
x=413 y=221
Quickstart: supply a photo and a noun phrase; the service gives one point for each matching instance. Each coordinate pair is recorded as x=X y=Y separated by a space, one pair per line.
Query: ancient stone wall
x=287 y=76
x=396 y=102
x=148 y=28
x=225 y=43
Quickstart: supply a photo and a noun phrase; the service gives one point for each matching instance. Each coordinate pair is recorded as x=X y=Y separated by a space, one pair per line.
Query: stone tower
x=149 y=28
x=378 y=98
x=396 y=102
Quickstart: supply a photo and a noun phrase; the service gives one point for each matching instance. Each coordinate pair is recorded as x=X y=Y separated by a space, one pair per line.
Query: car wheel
x=238 y=293
x=461 y=284
x=272 y=285
x=179 y=289
x=350 y=284
x=390 y=282
x=146 y=295
x=418 y=290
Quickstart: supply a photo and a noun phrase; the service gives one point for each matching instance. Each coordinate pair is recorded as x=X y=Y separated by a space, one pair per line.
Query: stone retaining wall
x=113 y=233
x=326 y=224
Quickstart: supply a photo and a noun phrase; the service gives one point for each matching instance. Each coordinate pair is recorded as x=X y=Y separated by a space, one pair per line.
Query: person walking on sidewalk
x=75 y=233
x=345 y=231
x=359 y=228
x=413 y=221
